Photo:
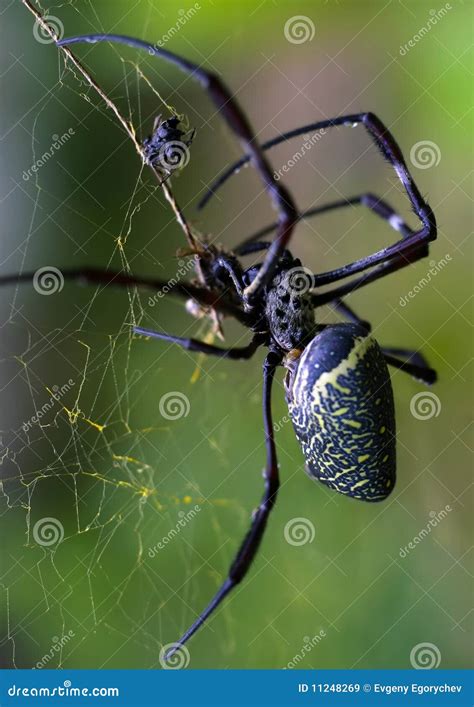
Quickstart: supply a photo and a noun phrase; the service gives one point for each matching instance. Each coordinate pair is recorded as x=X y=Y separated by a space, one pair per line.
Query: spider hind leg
x=251 y=542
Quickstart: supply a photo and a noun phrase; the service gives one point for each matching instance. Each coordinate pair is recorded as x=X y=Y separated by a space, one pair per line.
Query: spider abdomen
x=340 y=401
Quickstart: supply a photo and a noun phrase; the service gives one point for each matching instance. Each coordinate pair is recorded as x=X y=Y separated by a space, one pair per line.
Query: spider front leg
x=374 y=203
x=237 y=352
x=389 y=148
x=251 y=542
x=117 y=278
x=238 y=122
x=384 y=269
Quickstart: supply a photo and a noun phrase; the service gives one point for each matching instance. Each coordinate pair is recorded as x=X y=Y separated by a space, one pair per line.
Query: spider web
x=88 y=487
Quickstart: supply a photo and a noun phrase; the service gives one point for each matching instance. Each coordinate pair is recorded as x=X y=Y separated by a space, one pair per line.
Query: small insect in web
x=167 y=148
x=338 y=388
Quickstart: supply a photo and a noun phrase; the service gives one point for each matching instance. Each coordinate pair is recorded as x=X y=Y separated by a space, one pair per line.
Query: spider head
x=288 y=305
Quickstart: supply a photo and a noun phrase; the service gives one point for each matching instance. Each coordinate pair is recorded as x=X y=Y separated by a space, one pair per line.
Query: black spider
x=337 y=386
x=166 y=148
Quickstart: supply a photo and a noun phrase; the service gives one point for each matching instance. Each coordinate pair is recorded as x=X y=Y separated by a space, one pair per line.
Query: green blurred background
x=106 y=465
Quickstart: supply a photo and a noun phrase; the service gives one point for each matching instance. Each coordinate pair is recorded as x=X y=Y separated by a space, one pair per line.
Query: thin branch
x=127 y=126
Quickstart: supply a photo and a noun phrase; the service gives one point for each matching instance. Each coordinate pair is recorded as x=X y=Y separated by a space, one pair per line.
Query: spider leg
x=251 y=542
x=99 y=276
x=403 y=248
x=238 y=122
x=383 y=139
x=421 y=372
x=410 y=355
x=397 y=263
x=190 y=136
x=234 y=271
x=390 y=150
x=340 y=306
x=415 y=364
x=246 y=248
x=238 y=352
x=372 y=202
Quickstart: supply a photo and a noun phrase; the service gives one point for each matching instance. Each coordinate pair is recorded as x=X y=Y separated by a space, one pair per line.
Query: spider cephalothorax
x=283 y=312
x=289 y=307
x=337 y=387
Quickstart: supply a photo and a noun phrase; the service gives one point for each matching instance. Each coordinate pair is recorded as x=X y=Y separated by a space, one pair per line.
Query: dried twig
x=128 y=127
x=194 y=243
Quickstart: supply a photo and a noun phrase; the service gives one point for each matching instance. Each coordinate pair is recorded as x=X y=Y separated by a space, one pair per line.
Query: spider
x=166 y=148
x=337 y=384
